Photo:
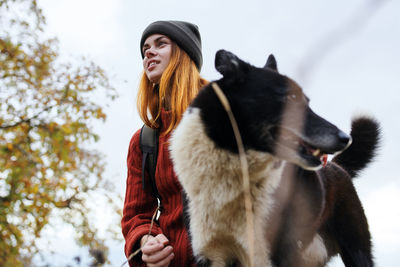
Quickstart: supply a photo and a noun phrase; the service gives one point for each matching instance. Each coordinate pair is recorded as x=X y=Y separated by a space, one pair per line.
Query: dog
x=303 y=213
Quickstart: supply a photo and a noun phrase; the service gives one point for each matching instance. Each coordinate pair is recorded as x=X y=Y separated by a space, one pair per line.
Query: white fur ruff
x=212 y=179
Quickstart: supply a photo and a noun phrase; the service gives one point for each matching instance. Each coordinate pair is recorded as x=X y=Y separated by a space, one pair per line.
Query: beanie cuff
x=186 y=35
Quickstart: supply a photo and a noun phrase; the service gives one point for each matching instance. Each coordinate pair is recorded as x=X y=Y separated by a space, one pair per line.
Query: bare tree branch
x=46 y=109
x=336 y=37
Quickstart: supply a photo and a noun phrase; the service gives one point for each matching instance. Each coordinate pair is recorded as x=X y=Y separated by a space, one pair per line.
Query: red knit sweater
x=140 y=204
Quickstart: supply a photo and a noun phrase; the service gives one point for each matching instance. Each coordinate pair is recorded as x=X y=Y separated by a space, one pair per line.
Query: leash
x=147 y=237
x=245 y=171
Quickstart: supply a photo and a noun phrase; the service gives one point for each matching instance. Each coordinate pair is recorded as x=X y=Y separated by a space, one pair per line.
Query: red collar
x=325 y=159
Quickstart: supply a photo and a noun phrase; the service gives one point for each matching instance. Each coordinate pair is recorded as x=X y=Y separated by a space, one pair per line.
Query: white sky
x=358 y=76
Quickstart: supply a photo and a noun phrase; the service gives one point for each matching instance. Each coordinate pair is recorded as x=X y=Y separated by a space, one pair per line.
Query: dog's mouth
x=311 y=153
x=294 y=147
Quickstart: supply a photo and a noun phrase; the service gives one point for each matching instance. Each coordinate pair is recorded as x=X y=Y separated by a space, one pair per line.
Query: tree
x=47 y=160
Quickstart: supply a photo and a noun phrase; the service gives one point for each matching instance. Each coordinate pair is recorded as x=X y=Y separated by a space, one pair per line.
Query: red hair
x=179 y=84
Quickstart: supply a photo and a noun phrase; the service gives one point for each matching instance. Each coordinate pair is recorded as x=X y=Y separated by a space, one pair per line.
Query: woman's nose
x=150 y=52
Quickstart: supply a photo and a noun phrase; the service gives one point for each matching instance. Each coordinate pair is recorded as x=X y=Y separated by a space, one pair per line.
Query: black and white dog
x=303 y=213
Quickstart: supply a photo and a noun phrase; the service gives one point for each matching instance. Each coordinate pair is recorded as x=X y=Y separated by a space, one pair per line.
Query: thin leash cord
x=245 y=171
x=147 y=237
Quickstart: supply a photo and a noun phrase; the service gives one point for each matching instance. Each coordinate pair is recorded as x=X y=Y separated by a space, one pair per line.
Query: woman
x=172 y=59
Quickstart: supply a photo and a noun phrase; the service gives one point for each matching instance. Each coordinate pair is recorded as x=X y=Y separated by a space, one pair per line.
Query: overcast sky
x=344 y=73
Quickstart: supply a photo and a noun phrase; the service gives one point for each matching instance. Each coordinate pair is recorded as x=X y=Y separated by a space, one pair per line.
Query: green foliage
x=47 y=160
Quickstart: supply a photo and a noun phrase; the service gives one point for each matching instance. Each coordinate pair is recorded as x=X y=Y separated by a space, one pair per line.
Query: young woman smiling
x=172 y=59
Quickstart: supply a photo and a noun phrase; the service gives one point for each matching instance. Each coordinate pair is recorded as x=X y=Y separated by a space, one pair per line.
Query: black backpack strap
x=149 y=147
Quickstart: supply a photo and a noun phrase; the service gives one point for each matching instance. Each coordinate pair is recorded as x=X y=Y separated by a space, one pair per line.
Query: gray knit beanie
x=186 y=35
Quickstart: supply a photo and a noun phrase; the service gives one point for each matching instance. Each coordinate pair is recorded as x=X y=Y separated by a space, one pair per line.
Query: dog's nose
x=344 y=139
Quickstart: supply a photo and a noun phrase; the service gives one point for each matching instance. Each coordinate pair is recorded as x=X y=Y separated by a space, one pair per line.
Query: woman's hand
x=155 y=251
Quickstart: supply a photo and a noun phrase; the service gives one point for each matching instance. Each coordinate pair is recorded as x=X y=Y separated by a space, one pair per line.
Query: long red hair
x=179 y=84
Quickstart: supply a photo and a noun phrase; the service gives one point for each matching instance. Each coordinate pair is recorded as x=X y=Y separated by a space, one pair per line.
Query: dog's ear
x=271 y=63
x=229 y=65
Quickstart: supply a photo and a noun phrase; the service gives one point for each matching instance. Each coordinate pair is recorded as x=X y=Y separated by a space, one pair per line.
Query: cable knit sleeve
x=139 y=205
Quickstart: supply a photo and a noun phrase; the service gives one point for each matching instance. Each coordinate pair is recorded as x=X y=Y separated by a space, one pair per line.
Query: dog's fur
x=303 y=214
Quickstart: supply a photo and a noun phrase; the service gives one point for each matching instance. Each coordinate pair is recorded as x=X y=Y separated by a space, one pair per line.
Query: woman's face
x=157 y=53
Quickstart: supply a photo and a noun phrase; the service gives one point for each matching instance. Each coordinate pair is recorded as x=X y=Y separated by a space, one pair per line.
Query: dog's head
x=272 y=112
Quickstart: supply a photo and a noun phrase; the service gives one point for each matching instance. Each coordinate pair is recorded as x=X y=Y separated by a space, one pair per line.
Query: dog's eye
x=292 y=97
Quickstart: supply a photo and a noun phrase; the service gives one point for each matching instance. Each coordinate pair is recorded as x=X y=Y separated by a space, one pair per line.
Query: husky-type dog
x=303 y=213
